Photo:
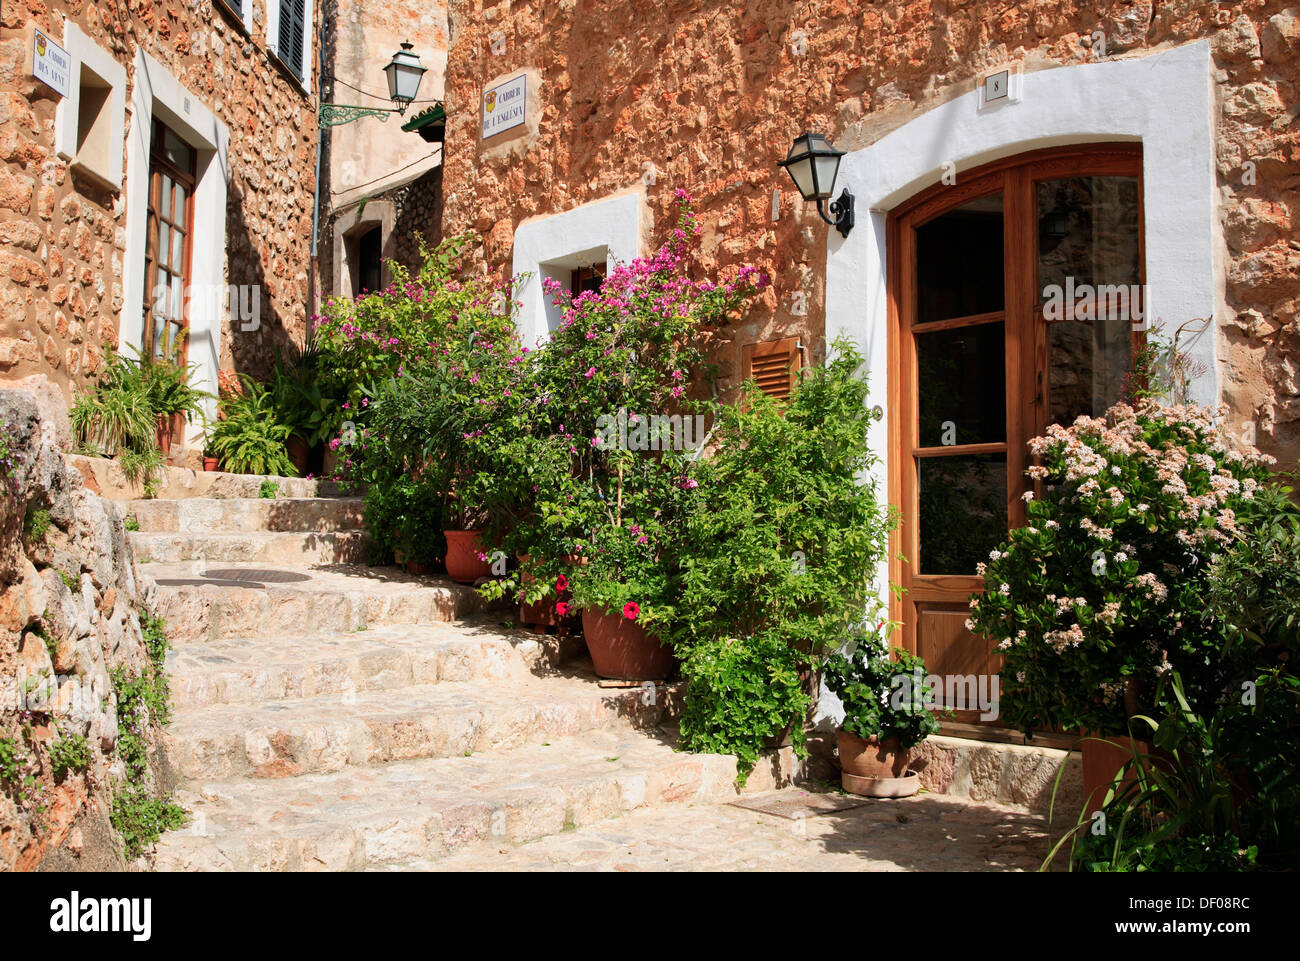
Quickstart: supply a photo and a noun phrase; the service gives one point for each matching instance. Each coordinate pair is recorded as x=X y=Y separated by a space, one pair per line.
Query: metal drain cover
x=258 y=575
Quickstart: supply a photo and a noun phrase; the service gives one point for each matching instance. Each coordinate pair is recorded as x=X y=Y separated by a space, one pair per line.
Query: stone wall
x=711 y=93
x=69 y=613
x=63 y=237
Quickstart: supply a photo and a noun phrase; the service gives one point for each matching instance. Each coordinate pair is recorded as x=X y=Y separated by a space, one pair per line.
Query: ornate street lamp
x=404 y=75
x=813 y=163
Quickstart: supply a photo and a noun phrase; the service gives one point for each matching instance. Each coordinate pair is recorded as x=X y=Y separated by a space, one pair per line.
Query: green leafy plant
x=36 y=524
x=743 y=693
x=882 y=690
x=248 y=437
x=143 y=705
x=303 y=398
x=268 y=490
x=69 y=753
x=11 y=761
x=131 y=522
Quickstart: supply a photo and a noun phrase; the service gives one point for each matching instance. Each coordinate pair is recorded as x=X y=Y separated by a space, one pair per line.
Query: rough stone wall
x=711 y=93
x=69 y=613
x=63 y=239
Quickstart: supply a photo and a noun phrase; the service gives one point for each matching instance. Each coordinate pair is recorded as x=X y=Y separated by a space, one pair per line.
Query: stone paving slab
x=329 y=732
x=335 y=597
x=264 y=547
x=244 y=670
x=205 y=515
x=428 y=809
x=924 y=833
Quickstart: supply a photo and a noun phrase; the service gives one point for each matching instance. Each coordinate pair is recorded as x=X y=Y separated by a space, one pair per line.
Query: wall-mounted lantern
x=813 y=163
x=404 y=74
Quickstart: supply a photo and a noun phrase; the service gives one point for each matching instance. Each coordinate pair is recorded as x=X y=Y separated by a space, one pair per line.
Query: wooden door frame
x=1026 y=357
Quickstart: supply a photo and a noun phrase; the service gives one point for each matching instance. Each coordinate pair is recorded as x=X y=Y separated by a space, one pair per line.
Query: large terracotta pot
x=463 y=564
x=299 y=452
x=872 y=768
x=621 y=649
x=1102 y=759
x=167 y=428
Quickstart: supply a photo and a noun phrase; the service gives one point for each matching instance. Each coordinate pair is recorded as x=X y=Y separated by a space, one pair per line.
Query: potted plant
x=248 y=438
x=307 y=407
x=211 y=462
x=1107 y=586
x=171 y=396
x=887 y=712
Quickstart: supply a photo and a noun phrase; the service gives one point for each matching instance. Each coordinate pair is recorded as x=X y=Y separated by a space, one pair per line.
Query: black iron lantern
x=813 y=163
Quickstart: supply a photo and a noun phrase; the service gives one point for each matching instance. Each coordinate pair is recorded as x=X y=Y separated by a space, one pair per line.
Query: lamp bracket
x=842 y=208
x=335 y=115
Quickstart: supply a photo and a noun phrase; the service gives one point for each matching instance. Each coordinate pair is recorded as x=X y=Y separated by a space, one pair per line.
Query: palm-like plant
x=250 y=437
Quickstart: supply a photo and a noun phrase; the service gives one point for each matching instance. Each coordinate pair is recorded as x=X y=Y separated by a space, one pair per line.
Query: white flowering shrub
x=1107 y=584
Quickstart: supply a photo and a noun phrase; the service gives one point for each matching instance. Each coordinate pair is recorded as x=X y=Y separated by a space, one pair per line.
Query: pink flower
x=562 y=609
x=631 y=609
x=591 y=372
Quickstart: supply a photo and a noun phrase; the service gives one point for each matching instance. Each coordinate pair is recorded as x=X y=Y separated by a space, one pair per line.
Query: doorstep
x=1020 y=775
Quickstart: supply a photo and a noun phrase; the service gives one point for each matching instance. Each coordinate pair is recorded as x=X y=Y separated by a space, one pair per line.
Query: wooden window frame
x=1026 y=345
x=159 y=165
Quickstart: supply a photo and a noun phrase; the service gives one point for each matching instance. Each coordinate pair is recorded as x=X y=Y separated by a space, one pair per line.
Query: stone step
x=327 y=547
x=244 y=670
x=387 y=815
x=217 y=515
x=292 y=599
x=103 y=476
x=286 y=738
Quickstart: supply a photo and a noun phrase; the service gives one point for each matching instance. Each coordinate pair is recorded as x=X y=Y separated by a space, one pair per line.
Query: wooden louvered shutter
x=289 y=46
x=774 y=365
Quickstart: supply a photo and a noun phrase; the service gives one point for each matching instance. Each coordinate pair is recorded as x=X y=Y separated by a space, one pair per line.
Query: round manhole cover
x=256 y=575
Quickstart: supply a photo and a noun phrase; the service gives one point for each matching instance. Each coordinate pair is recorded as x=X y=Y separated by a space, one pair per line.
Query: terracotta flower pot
x=542 y=613
x=163 y=433
x=463 y=564
x=211 y=463
x=299 y=452
x=1102 y=759
x=621 y=649
x=872 y=768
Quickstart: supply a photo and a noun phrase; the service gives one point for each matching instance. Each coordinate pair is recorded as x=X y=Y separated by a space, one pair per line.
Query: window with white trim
x=292 y=43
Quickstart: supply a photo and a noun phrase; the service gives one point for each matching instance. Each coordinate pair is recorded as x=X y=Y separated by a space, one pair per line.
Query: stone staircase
x=330 y=716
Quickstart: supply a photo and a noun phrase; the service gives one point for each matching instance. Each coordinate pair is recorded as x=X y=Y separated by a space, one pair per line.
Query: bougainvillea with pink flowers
x=1106 y=586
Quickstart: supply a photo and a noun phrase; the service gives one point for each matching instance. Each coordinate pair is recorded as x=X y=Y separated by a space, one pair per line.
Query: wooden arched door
x=985 y=352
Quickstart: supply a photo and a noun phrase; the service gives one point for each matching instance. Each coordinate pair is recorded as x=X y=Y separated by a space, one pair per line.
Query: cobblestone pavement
x=924 y=833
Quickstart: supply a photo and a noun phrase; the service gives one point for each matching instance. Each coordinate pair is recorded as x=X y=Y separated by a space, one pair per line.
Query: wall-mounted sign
x=51 y=63
x=505 y=105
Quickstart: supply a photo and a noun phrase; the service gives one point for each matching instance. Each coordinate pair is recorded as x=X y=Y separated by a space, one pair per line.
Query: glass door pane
x=959 y=262
x=1089 y=282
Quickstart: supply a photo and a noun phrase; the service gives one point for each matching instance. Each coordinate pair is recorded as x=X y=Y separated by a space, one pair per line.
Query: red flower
x=630 y=610
x=561 y=584
x=562 y=609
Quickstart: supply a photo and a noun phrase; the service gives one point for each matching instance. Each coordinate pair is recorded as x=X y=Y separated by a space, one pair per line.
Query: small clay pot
x=621 y=649
x=463 y=564
x=211 y=463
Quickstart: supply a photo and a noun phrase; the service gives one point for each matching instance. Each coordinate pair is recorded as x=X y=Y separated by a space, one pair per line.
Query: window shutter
x=293 y=27
x=774 y=365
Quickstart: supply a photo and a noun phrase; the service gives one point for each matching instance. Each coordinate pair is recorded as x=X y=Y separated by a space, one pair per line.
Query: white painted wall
x=158 y=93
x=545 y=246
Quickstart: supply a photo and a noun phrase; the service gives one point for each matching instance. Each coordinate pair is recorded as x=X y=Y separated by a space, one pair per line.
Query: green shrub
x=36 y=524
x=268 y=490
x=69 y=753
x=743 y=693
x=11 y=761
x=249 y=438
x=141 y=819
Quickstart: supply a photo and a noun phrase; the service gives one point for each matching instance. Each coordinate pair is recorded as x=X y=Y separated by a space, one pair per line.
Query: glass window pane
x=178 y=250
x=164 y=244
x=176 y=309
x=959 y=262
x=160 y=293
x=1088 y=362
x=1088 y=238
x=963 y=511
x=178 y=151
x=180 y=205
x=962 y=386
x=166 y=198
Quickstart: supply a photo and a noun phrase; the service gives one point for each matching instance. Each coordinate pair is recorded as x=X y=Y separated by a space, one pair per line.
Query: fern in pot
x=887 y=712
x=250 y=438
